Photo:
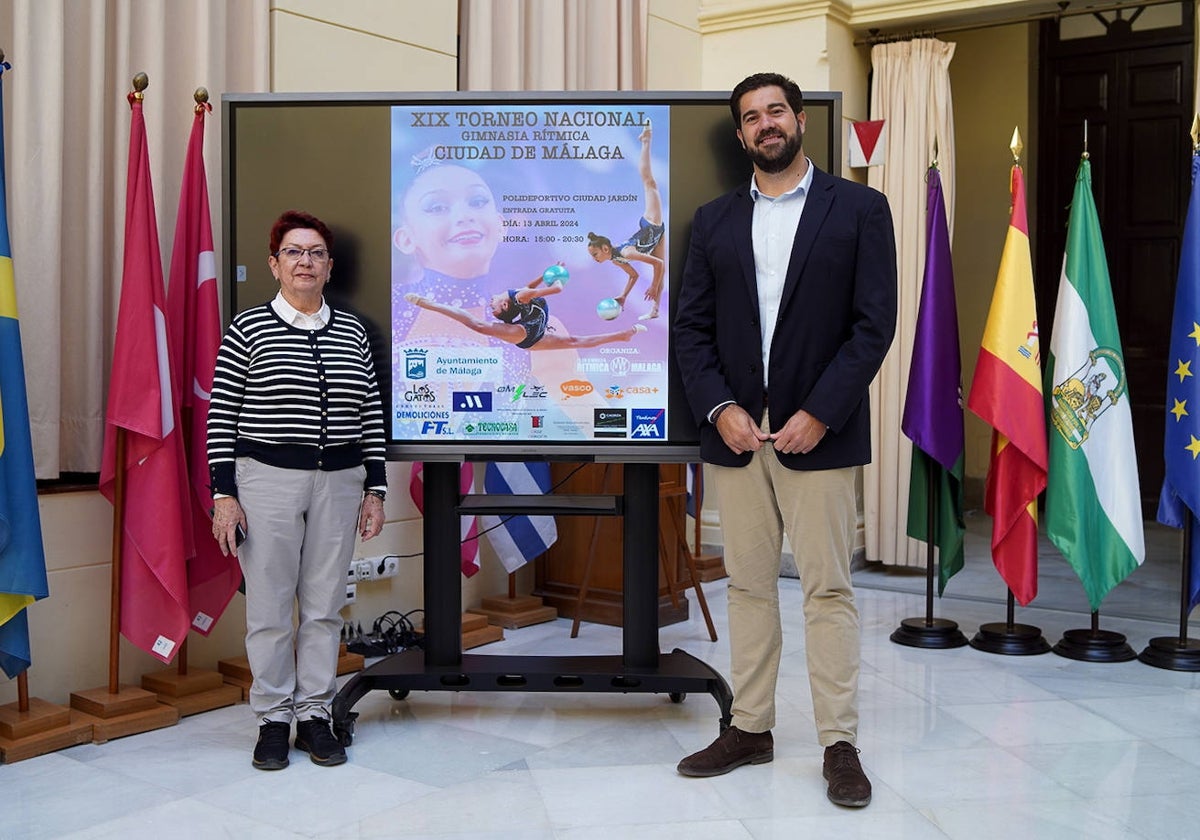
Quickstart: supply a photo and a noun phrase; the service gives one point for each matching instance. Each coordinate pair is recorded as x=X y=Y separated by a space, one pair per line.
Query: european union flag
x=1180 y=497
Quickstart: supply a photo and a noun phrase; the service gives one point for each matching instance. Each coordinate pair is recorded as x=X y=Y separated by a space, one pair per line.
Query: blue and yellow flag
x=1180 y=498
x=22 y=559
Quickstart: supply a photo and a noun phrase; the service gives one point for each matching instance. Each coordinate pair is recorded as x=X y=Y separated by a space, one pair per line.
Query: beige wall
x=990 y=77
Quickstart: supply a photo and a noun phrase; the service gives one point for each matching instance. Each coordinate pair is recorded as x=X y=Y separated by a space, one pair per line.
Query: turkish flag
x=194 y=324
x=469 y=547
x=155 y=540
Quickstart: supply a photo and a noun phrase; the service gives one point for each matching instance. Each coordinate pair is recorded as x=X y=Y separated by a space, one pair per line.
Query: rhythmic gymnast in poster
x=523 y=316
x=646 y=245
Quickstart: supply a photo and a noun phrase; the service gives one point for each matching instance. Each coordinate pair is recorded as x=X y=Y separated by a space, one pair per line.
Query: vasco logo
x=576 y=388
x=471 y=401
x=414 y=363
x=420 y=393
x=648 y=423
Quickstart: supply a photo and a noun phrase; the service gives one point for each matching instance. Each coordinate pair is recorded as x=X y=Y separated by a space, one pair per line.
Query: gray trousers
x=300 y=531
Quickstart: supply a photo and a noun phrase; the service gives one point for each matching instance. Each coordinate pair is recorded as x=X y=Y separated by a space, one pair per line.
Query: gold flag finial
x=1195 y=127
x=934 y=164
x=1016 y=145
x=140 y=82
x=201 y=97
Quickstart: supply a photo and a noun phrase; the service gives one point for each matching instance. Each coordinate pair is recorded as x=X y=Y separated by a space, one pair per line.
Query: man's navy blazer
x=837 y=316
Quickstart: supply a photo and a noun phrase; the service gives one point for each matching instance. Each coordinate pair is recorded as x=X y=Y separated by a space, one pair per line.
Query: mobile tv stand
x=442 y=666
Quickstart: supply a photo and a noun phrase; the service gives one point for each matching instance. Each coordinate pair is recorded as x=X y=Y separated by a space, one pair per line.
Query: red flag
x=156 y=533
x=469 y=552
x=194 y=323
x=1007 y=394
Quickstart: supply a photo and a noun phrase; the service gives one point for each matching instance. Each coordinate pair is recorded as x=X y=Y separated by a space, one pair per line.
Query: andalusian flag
x=1007 y=393
x=1093 y=504
x=22 y=557
x=933 y=415
x=1180 y=498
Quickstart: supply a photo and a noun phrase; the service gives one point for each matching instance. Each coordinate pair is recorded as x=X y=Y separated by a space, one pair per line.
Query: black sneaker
x=271 y=751
x=316 y=738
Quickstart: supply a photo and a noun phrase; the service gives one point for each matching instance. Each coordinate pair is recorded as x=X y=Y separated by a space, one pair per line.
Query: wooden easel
x=663 y=555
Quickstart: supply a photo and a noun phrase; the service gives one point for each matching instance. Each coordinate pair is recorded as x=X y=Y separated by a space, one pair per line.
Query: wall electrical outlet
x=351 y=593
x=364 y=569
x=391 y=566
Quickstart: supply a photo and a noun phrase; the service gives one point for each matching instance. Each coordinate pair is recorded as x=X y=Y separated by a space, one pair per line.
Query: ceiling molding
x=723 y=17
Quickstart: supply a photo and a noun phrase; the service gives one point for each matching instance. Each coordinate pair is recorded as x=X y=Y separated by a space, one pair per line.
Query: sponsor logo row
x=607 y=423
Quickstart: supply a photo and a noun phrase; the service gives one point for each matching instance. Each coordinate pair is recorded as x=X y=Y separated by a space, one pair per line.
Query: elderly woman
x=296 y=457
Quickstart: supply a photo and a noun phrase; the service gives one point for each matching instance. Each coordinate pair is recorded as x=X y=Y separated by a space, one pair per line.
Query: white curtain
x=911 y=91
x=67 y=140
x=553 y=44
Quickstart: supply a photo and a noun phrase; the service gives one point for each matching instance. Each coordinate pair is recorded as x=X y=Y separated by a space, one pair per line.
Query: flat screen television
x=461 y=224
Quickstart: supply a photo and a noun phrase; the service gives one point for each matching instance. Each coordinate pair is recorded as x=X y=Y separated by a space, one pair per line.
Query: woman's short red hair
x=297 y=219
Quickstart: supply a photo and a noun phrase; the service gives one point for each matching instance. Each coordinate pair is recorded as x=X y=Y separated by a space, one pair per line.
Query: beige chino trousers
x=817 y=510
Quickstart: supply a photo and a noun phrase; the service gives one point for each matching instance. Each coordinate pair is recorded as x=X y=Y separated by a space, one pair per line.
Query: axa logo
x=648 y=424
x=471 y=401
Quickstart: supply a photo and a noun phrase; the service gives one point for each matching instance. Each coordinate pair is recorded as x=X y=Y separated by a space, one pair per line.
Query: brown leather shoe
x=733 y=748
x=848 y=784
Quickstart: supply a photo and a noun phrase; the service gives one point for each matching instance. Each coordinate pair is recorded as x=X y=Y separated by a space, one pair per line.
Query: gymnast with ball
x=523 y=316
x=646 y=245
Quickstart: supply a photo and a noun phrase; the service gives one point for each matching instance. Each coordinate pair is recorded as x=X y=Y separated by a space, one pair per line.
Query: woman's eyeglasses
x=317 y=255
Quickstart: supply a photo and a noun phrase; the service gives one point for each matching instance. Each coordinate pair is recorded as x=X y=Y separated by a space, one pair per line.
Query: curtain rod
x=876 y=37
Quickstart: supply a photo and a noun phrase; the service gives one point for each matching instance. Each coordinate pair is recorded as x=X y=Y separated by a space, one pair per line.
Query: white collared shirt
x=292 y=315
x=773 y=230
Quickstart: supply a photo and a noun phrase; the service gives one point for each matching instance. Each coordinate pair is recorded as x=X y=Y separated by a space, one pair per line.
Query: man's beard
x=781 y=157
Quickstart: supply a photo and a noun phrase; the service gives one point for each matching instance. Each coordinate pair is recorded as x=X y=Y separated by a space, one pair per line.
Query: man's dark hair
x=791 y=92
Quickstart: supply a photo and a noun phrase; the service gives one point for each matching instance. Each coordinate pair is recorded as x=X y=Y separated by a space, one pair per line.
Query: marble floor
x=958 y=743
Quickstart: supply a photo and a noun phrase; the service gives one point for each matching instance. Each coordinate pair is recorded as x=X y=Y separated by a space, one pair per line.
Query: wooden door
x=1134 y=89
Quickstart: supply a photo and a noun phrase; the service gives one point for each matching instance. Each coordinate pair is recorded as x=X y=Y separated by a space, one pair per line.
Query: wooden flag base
x=236 y=671
x=476 y=631
x=512 y=612
x=43 y=728
x=710 y=567
x=196 y=691
x=127 y=712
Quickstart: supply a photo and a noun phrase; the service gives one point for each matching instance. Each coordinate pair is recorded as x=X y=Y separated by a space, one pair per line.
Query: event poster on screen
x=506 y=325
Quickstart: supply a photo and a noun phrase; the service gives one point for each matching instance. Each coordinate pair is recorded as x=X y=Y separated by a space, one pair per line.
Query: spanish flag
x=1007 y=394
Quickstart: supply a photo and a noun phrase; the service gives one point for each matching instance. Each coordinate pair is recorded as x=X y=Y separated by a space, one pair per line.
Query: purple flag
x=933 y=414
